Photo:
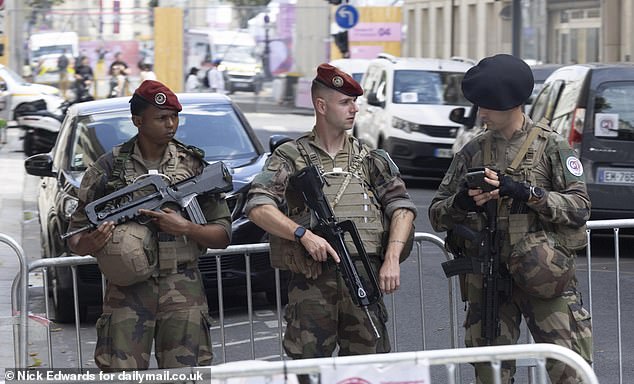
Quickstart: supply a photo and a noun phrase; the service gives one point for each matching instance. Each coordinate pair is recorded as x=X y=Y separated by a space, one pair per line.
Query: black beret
x=157 y=94
x=335 y=78
x=499 y=82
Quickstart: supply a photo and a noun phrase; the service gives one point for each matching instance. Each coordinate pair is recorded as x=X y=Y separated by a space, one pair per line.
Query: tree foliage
x=247 y=9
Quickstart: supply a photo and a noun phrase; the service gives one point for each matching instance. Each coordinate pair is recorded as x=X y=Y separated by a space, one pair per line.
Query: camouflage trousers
x=170 y=311
x=560 y=320
x=321 y=315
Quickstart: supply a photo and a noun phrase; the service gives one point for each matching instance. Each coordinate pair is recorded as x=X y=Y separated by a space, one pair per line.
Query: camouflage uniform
x=321 y=314
x=168 y=308
x=560 y=320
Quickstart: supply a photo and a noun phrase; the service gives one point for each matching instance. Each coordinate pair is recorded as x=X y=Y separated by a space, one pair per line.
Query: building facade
x=553 y=31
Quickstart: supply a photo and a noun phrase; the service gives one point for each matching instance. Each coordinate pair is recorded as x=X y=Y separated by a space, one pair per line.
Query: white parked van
x=405 y=110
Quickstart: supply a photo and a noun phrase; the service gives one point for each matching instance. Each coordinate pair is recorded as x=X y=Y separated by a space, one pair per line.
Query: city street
x=409 y=335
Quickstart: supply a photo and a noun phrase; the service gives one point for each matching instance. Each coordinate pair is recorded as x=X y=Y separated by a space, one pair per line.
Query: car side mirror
x=373 y=100
x=40 y=165
x=457 y=116
x=277 y=140
x=3 y=86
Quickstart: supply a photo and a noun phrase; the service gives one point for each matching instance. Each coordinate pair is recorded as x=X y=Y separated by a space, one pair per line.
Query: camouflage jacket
x=565 y=204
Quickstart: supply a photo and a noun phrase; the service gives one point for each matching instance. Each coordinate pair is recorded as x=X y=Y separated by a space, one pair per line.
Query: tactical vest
x=165 y=253
x=515 y=218
x=349 y=196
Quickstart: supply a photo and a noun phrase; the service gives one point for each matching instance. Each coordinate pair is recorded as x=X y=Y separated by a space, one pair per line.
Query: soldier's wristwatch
x=536 y=193
x=299 y=233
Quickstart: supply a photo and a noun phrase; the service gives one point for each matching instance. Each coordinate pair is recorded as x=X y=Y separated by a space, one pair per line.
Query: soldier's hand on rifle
x=168 y=220
x=87 y=243
x=318 y=248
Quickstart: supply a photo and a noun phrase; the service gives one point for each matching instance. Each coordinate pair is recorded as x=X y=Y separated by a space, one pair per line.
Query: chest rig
x=515 y=220
x=171 y=254
x=349 y=195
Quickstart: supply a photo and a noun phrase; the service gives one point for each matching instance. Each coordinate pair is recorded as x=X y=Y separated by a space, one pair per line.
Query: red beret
x=157 y=94
x=333 y=77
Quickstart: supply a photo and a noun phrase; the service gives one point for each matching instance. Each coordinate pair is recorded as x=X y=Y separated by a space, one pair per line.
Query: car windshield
x=216 y=129
x=428 y=87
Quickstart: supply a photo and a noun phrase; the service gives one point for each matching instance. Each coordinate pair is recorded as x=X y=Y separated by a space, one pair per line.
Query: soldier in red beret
x=362 y=185
x=154 y=292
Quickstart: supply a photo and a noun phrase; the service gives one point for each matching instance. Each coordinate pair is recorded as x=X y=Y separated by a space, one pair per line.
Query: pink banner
x=365 y=51
x=375 y=32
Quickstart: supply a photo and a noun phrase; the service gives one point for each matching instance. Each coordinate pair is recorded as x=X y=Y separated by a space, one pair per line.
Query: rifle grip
x=195 y=213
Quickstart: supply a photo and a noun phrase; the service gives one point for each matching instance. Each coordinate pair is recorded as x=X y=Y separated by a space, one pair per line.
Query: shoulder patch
x=384 y=156
x=572 y=167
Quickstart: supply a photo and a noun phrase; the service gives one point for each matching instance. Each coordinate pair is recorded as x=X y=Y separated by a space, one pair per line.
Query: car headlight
x=70 y=206
x=403 y=125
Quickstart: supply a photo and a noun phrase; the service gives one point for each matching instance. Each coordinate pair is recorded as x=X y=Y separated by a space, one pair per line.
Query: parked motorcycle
x=40 y=125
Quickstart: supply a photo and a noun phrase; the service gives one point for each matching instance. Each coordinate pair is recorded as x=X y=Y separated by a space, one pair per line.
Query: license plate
x=445 y=153
x=615 y=176
x=241 y=85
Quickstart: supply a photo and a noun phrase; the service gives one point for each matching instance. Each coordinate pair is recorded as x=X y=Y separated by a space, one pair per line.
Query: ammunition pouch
x=541 y=266
x=130 y=256
x=175 y=252
x=291 y=255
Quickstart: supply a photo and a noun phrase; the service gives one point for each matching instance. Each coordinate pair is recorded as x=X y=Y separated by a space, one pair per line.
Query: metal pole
x=517 y=28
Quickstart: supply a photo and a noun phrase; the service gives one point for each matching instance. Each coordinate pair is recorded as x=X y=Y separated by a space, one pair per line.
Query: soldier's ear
x=137 y=121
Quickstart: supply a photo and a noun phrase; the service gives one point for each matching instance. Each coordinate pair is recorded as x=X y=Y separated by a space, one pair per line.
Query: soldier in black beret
x=533 y=187
x=361 y=184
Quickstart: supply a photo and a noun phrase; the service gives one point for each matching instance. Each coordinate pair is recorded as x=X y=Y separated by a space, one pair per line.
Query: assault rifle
x=496 y=283
x=120 y=206
x=363 y=287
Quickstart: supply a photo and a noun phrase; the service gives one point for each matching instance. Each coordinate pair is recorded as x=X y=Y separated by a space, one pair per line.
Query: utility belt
x=176 y=254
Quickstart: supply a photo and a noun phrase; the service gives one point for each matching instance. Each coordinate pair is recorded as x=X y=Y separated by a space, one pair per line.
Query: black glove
x=463 y=201
x=508 y=187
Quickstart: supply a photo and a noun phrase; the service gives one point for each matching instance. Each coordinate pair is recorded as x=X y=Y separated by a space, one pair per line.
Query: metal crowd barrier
x=22 y=283
x=420 y=361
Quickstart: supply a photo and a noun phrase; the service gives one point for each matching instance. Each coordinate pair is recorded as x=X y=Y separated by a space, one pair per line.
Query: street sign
x=346 y=16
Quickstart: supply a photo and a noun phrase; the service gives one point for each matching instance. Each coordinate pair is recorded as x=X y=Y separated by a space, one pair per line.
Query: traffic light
x=341 y=41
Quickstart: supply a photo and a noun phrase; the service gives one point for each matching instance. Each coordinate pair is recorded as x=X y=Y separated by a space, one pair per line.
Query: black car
x=592 y=105
x=211 y=122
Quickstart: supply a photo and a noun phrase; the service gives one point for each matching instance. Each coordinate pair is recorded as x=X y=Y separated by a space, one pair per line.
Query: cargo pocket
x=580 y=329
x=103 y=350
x=292 y=335
x=205 y=355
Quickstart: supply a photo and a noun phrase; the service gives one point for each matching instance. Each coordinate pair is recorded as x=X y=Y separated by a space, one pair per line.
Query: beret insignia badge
x=160 y=98
x=337 y=81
